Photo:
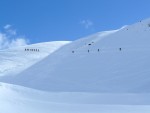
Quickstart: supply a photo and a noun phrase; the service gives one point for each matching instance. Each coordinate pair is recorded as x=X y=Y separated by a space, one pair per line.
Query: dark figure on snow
x=120 y=49
x=88 y=51
x=98 y=50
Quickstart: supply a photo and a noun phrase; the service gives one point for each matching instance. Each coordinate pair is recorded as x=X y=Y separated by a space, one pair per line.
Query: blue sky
x=49 y=20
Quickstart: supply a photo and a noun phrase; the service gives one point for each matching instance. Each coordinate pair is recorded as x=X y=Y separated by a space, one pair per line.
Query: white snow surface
x=90 y=75
x=14 y=60
x=16 y=99
x=109 y=70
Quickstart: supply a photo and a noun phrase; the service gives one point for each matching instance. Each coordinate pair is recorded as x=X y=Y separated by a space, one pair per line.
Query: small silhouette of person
x=98 y=50
x=120 y=49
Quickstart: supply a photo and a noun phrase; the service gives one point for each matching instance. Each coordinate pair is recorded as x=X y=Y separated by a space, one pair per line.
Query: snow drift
x=16 y=99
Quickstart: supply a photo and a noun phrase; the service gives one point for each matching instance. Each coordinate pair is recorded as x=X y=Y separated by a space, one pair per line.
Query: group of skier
x=36 y=50
x=97 y=50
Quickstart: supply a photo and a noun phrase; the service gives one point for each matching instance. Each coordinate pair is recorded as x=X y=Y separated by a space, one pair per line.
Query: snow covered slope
x=95 y=64
x=16 y=99
x=107 y=72
x=13 y=61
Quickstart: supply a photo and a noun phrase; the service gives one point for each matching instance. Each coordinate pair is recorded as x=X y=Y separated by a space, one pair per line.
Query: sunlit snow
x=107 y=72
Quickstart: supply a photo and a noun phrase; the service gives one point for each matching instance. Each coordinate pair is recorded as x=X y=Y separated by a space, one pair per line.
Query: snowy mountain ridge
x=107 y=72
x=104 y=62
x=15 y=60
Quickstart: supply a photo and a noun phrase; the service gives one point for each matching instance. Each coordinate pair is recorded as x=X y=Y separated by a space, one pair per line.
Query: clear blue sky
x=48 y=20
